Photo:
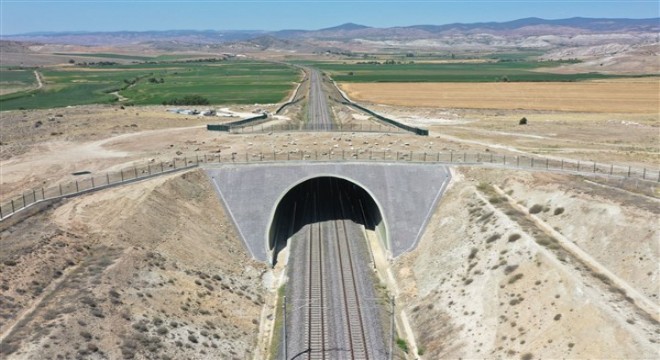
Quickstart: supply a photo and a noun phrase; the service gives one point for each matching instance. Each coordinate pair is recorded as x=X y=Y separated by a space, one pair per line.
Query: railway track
x=318 y=115
x=316 y=311
x=355 y=323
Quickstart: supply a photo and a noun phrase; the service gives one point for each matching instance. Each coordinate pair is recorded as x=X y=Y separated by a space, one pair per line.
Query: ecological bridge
x=398 y=197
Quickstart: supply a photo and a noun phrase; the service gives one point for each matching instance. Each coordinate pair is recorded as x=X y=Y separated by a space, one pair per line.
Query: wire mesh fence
x=649 y=177
x=352 y=127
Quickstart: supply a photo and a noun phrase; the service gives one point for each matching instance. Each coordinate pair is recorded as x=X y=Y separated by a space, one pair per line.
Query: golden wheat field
x=619 y=96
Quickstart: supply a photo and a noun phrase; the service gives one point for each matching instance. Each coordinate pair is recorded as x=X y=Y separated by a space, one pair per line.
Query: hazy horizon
x=19 y=17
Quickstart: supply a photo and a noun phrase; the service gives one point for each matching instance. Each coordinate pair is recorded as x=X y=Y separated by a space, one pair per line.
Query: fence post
x=397 y=156
x=23 y=195
x=135 y=171
x=517 y=161
x=504 y=160
x=77 y=189
x=149 y=168
x=371 y=154
x=107 y=178
x=122 y=175
x=628 y=171
x=12 y=206
x=644 y=174
x=34 y=195
x=532 y=162
x=424 y=156
x=478 y=157
x=578 y=166
x=43 y=193
x=93 y=183
x=547 y=164
x=562 y=164
x=197 y=159
x=161 y=167
x=465 y=157
x=60 y=189
x=491 y=158
x=1 y=216
x=594 y=167
x=611 y=168
x=451 y=157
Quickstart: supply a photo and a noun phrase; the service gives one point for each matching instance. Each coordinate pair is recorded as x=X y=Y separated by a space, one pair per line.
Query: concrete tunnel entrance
x=323 y=199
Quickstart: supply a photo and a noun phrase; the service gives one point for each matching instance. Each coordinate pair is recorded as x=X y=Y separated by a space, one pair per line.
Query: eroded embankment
x=150 y=269
x=486 y=281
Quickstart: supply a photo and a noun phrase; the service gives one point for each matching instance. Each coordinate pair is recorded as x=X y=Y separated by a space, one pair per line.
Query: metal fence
x=353 y=127
x=90 y=183
x=149 y=169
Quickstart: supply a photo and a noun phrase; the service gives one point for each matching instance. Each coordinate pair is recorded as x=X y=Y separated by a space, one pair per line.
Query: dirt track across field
x=630 y=96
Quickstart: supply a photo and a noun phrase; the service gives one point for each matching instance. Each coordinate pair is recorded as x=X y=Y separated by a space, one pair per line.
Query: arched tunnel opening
x=322 y=199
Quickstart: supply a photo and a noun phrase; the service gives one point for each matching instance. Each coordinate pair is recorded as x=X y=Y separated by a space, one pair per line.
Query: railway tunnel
x=398 y=199
x=321 y=199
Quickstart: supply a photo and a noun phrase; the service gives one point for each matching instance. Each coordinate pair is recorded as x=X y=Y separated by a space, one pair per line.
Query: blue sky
x=22 y=16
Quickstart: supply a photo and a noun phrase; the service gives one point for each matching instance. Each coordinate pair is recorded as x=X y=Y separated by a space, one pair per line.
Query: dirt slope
x=151 y=270
x=487 y=283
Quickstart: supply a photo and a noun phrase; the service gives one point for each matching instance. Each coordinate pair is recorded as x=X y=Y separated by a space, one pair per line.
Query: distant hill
x=521 y=27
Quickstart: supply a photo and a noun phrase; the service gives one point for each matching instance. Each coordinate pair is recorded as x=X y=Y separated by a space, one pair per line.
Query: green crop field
x=17 y=78
x=228 y=82
x=450 y=72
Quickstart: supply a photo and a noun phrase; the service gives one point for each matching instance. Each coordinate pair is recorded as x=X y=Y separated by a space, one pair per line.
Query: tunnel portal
x=322 y=199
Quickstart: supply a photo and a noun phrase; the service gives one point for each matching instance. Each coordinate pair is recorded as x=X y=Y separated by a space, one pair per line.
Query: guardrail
x=149 y=169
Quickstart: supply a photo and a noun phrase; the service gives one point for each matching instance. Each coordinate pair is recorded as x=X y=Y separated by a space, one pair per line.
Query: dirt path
x=40 y=83
x=52 y=287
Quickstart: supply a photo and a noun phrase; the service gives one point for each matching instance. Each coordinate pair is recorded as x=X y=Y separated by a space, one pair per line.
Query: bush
x=537 y=208
x=559 y=211
x=523 y=121
x=514 y=237
x=402 y=344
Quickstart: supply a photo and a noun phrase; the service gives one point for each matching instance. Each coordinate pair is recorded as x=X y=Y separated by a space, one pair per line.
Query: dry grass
x=630 y=96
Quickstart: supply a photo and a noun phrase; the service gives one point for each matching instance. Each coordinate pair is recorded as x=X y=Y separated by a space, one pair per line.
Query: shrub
x=523 y=121
x=559 y=211
x=509 y=269
x=535 y=209
x=527 y=356
x=402 y=344
x=514 y=237
x=493 y=238
x=515 y=278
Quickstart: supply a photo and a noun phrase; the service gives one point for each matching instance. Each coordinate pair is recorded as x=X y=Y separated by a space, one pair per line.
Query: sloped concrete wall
x=405 y=193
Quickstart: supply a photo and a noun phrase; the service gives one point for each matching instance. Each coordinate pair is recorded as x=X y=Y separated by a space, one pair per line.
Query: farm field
x=232 y=82
x=16 y=80
x=469 y=72
x=617 y=96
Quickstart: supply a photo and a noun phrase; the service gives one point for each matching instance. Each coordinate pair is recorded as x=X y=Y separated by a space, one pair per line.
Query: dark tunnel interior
x=317 y=200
